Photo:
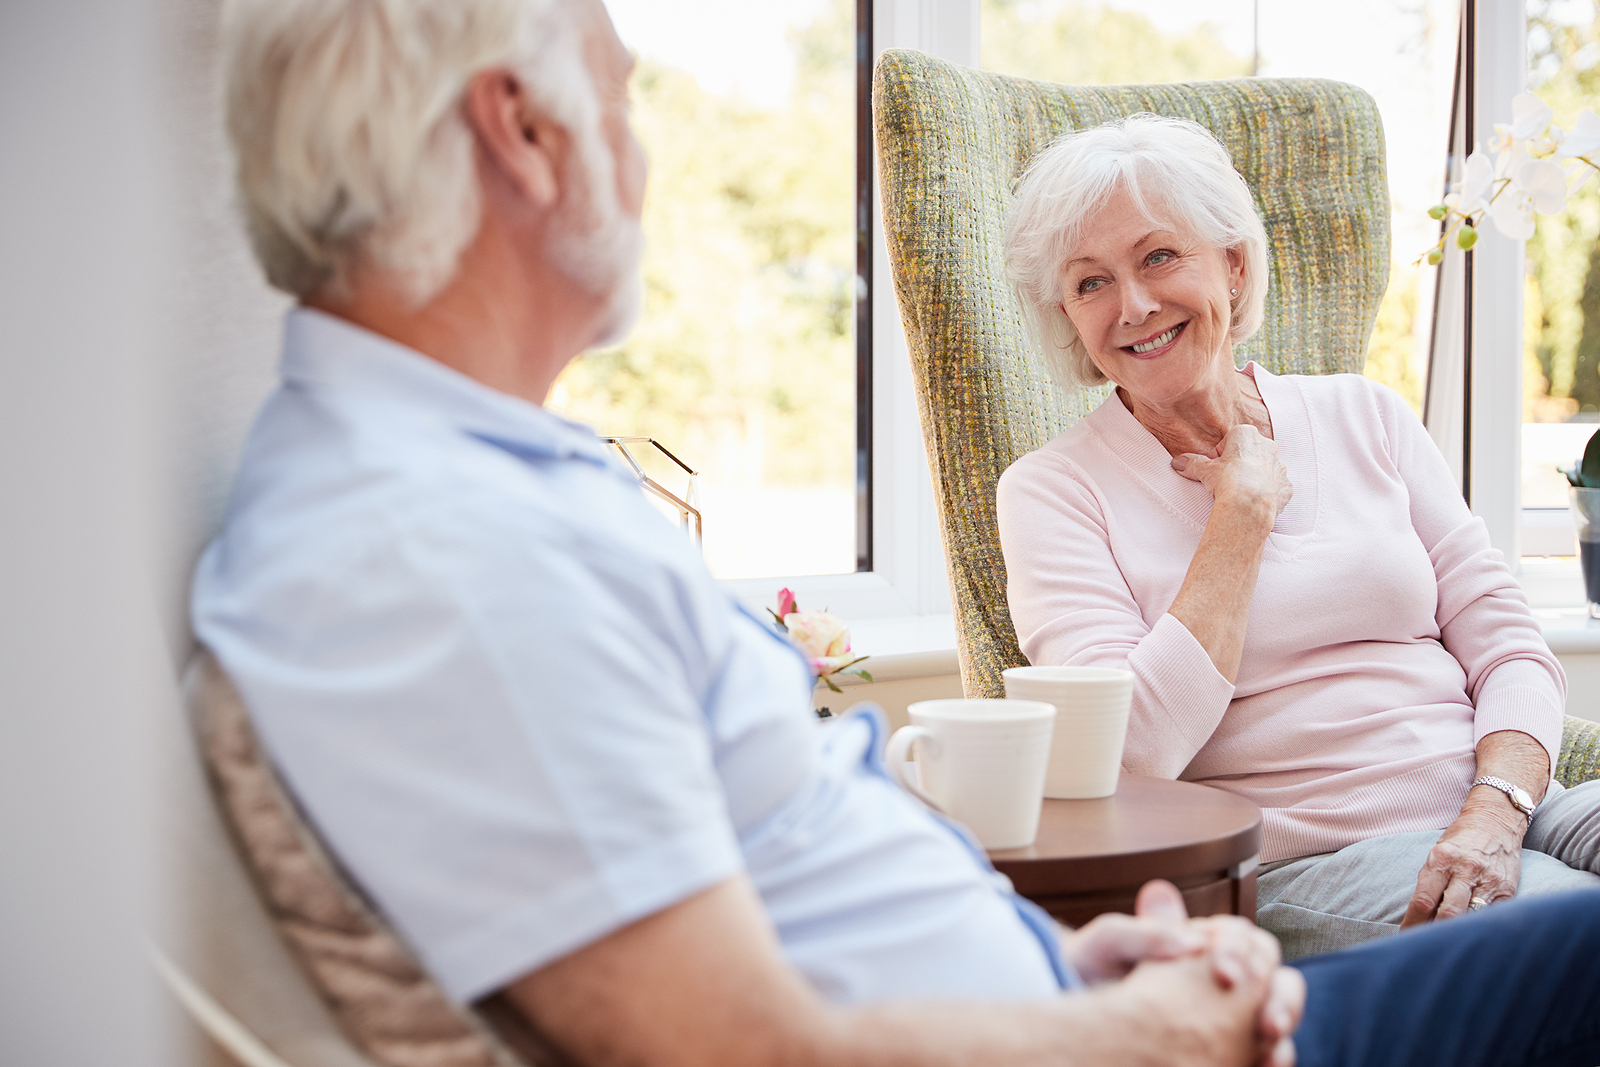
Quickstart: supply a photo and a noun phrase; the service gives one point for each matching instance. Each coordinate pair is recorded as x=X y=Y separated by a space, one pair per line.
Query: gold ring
x=1475 y=903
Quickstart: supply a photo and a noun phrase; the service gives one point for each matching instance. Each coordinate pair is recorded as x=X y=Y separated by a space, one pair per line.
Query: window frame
x=1480 y=431
x=907 y=576
x=1499 y=72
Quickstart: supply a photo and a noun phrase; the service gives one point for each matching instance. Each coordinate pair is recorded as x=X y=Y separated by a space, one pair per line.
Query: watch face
x=1524 y=801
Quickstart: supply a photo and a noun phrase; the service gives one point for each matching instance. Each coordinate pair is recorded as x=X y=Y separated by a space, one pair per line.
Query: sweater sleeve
x=1072 y=606
x=1514 y=680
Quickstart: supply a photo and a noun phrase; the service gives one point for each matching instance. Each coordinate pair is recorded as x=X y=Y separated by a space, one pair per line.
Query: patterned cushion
x=951 y=143
x=382 y=999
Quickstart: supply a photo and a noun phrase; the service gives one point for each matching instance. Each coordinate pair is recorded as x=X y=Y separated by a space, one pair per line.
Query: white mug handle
x=895 y=757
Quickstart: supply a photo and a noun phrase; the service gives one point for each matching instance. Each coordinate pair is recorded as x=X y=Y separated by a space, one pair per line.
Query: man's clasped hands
x=1217 y=977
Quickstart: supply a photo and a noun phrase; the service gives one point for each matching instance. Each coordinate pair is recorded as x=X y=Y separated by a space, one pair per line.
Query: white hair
x=1168 y=167
x=347 y=127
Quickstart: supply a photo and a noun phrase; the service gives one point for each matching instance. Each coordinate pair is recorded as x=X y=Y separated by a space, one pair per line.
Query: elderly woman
x=1312 y=617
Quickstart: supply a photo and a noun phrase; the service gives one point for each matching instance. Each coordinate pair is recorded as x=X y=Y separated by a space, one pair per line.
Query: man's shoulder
x=341 y=514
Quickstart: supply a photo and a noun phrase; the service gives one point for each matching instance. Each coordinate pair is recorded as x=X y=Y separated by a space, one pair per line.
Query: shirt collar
x=324 y=351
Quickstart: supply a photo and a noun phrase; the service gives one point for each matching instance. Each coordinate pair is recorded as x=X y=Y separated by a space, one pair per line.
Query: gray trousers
x=1338 y=899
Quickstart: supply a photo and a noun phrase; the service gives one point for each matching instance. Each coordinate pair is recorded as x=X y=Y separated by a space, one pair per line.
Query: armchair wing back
x=951 y=143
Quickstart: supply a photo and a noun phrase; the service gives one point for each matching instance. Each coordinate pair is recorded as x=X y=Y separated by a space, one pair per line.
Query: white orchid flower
x=1584 y=139
x=1529 y=116
x=1512 y=212
x=1548 y=145
x=1546 y=183
x=1472 y=191
x=1501 y=141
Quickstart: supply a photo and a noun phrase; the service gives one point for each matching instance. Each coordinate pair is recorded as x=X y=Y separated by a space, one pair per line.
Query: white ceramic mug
x=981 y=762
x=1091 y=724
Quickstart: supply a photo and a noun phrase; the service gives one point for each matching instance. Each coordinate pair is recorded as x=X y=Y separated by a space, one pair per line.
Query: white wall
x=84 y=168
x=135 y=339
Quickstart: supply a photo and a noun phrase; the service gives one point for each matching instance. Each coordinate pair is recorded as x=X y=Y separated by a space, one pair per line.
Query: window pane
x=743 y=364
x=1561 y=331
x=1400 y=51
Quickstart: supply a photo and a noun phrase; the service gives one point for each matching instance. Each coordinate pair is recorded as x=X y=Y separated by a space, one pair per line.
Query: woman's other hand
x=1478 y=856
x=1244 y=474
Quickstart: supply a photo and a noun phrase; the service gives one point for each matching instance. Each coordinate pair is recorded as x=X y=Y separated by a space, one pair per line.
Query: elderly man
x=553 y=752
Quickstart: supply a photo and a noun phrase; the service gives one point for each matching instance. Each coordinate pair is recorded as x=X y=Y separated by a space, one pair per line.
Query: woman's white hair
x=347 y=128
x=1175 y=171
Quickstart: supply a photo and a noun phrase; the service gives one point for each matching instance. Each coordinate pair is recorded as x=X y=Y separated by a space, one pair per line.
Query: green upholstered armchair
x=951 y=142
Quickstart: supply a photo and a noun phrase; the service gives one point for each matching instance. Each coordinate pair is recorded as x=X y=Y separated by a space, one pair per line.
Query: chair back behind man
x=951 y=143
x=373 y=988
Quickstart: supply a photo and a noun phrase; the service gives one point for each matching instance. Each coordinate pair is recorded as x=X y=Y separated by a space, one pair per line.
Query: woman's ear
x=524 y=146
x=1236 y=267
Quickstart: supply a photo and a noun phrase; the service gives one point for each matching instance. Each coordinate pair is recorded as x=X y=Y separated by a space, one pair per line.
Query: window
x=744 y=363
x=819 y=482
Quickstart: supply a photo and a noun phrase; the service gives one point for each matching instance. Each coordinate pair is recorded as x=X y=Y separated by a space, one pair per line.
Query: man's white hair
x=1175 y=171
x=347 y=127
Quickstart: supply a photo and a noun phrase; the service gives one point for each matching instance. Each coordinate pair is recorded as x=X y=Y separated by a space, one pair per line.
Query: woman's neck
x=1198 y=422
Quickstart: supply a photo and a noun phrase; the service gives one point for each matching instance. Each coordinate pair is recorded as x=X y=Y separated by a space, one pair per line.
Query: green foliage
x=1564 y=253
x=1089 y=45
x=742 y=362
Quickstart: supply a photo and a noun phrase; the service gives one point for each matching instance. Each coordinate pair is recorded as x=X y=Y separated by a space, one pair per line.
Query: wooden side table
x=1091 y=856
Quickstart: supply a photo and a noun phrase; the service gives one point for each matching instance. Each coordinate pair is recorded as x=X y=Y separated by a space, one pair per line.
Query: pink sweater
x=1385 y=638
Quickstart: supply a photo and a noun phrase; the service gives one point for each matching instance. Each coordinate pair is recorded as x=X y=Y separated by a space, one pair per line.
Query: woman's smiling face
x=1150 y=301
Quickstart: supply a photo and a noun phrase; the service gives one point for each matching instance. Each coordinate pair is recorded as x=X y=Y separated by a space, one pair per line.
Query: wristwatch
x=1516 y=794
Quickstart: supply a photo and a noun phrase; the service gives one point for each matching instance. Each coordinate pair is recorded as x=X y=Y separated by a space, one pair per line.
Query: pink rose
x=820 y=636
x=785 y=603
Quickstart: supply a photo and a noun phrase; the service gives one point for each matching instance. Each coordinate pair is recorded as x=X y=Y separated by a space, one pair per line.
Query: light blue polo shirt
x=518 y=708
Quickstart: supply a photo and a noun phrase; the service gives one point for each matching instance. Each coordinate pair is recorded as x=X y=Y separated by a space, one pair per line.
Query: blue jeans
x=1513 y=985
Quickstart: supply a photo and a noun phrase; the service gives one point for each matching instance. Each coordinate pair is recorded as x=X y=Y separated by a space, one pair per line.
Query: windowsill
x=913 y=646
x=1555 y=592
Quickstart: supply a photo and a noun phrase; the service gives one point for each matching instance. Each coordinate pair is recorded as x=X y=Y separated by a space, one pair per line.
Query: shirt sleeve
x=500 y=732
x=1514 y=680
x=1071 y=606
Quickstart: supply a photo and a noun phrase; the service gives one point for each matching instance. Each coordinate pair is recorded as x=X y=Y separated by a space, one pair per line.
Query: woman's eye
x=1160 y=255
x=1089 y=285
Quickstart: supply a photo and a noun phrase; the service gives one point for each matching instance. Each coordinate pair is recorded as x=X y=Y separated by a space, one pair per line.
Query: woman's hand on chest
x=1245 y=475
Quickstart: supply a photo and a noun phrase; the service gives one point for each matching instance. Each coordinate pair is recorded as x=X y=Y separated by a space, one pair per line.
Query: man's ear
x=523 y=145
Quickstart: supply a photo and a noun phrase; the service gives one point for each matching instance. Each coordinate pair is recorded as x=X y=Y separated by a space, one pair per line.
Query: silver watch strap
x=1505 y=787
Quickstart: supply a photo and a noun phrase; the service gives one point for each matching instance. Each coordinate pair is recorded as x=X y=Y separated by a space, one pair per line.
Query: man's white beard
x=627 y=290
x=599 y=246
